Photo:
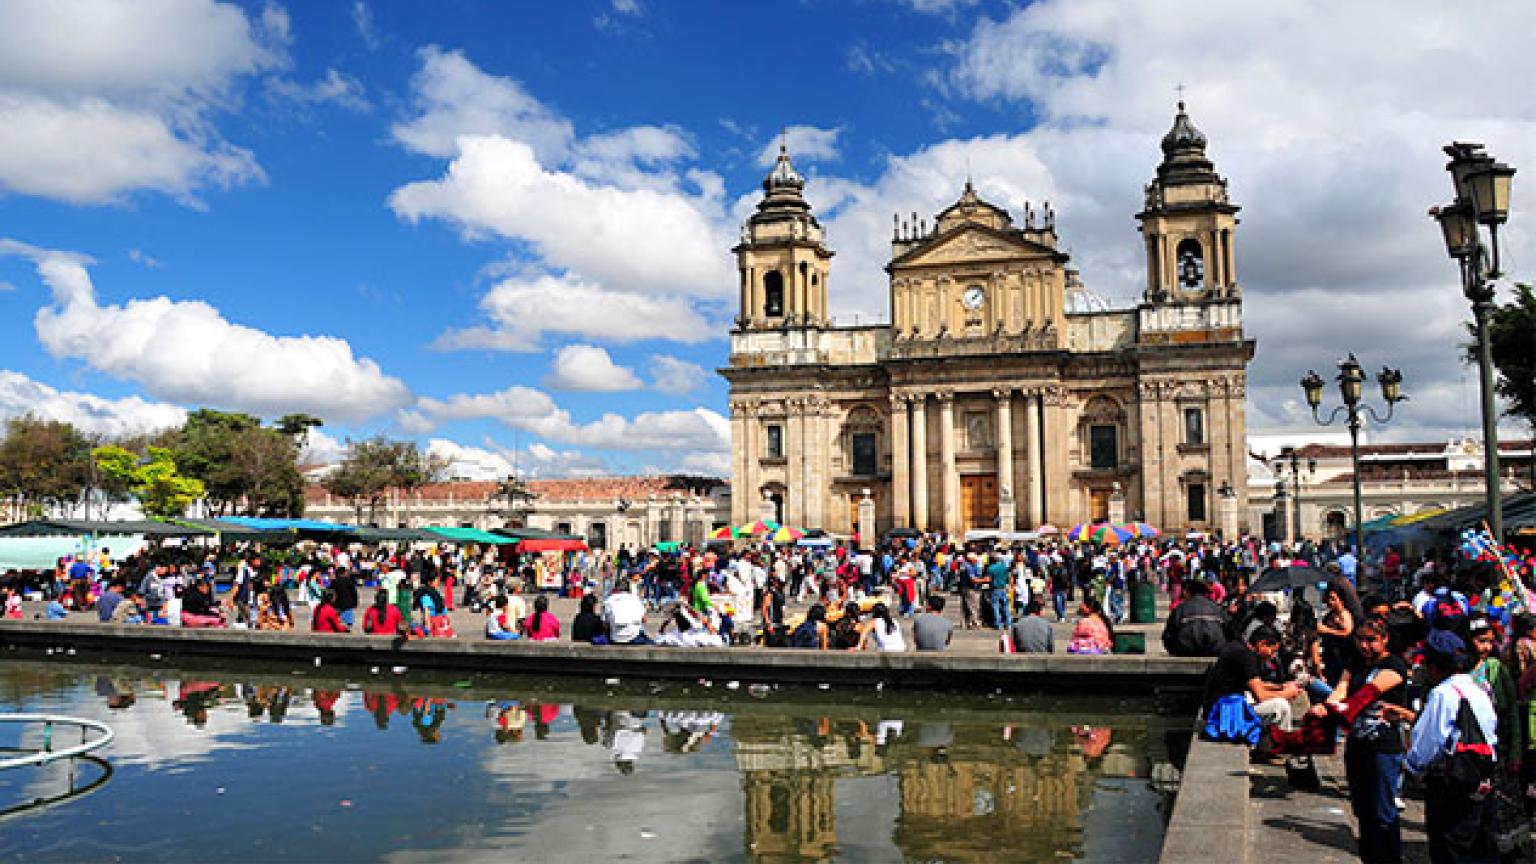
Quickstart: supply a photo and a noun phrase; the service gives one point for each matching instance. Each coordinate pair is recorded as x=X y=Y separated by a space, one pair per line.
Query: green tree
x=376 y=465
x=44 y=464
x=244 y=466
x=1512 y=342
x=153 y=479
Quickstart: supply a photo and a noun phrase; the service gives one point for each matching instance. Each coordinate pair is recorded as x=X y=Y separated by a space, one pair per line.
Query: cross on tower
x=1180 y=90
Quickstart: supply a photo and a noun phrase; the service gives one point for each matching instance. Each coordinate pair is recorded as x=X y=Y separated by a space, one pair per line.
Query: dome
x=783 y=175
x=1183 y=135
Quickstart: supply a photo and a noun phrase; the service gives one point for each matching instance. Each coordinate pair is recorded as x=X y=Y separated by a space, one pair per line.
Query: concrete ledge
x=1104 y=675
x=1211 y=815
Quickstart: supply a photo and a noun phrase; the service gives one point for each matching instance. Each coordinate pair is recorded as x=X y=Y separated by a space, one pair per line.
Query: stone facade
x=988 y=401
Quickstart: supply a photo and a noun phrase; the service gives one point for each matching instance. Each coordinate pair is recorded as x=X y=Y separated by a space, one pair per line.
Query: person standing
x=996 y=580
x=1461 y=822
x=345 y=587
x=1369 y=697
x=970 y=591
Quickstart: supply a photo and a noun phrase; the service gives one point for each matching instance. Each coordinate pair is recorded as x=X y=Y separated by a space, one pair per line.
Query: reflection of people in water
x=277 y=703
x=117 y=692
x=688 y=731
x=589 y=721
x=510 y=718
x=381 y=705
x=325 y=703
x=1093 y=740
x=195 y=698
x=544 y=715
x=427 y=716
x=627 y=739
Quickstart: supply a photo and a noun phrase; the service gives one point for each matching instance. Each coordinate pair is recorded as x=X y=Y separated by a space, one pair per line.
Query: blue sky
x=504 y=228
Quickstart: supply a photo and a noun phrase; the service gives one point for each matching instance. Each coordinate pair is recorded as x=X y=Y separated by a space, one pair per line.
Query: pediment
x=971 y=243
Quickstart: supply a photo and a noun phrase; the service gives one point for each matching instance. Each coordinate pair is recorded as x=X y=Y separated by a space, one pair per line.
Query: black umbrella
x=1282 y=578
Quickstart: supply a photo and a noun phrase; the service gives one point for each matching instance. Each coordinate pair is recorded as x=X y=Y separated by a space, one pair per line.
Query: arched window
x=773 y=294
x=1191 y=264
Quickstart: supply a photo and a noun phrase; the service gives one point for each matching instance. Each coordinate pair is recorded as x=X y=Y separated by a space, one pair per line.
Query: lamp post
x=1351 y=378
x=1290 y=459
x=1482 y=199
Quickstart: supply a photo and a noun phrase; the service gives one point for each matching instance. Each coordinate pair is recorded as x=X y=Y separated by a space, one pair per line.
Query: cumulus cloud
x=676 y=376
x=494 y=461
x=619 y=215
x=533 y=411
x=805 y=143
x=588 y=368
x=111 y=418
x=102 y=98
x=188 y=352
x=522 y=309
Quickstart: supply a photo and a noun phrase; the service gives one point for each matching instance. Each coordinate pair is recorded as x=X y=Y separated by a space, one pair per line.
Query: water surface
x=323 y=765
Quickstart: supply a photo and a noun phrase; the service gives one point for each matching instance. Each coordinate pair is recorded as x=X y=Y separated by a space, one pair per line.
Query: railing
x=48 y=753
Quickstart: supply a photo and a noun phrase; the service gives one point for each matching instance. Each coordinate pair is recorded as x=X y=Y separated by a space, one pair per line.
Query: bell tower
x=782 y=259
x=1188 y=222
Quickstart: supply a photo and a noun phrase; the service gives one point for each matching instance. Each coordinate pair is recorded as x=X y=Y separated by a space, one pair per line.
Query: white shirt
x=625 y=615
x=888 y=641
x=1436 y=729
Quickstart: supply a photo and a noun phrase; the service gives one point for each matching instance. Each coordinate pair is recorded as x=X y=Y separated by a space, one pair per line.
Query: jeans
x=1372 y=793
x=1114 y=604
x=1319 y=690
x=348 y=616
x=1002 y=616
x=1059 y=601
x=501 y=636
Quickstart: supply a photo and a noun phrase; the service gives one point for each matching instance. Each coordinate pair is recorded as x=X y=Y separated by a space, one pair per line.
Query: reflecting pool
x=369 y=766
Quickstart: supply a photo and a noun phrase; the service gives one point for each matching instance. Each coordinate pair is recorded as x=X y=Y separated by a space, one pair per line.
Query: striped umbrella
x=724 y=532
x=761 y=526
x=1141 y=529
x=786 y=534
x=1104 y=533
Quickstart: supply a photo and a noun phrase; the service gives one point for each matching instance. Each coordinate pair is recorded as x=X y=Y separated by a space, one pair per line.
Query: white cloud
x=805 y=143
x=455 y=98
x=188 y=352
x=494 y=462
x=676 y=376
x=533 y=411
x=336 y=88
x=143 y=259
x=640 y=240
x=627 y=7
x=321 y=448
x=112 y=418
x=619 y=215
x=102 y=98
x=522 y=309
x=588 y=368
x=367 y=28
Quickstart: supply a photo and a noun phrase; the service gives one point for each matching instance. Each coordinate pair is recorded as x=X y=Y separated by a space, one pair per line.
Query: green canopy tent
x=469 y=535
x=84 y=527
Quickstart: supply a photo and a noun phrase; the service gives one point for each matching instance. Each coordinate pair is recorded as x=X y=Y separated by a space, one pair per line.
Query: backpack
x=1469 y=767
x=805 y=636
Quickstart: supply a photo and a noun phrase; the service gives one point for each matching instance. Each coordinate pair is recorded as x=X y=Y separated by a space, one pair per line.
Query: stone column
x=950 y=479
x=794 y=456
x=920 y=462
x=901 y=453
x=867 y=538
x=1036 y=509
x=1005 y=501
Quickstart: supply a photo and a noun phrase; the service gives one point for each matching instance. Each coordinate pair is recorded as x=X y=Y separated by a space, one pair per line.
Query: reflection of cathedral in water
x=966 y=792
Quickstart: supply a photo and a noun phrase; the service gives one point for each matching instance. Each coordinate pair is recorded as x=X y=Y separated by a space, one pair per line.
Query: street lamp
x=1290 y=459
x=1482 y=199
x=1351 y=378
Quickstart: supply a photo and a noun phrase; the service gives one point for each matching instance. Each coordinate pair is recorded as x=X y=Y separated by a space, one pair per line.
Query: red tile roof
x=634 y=489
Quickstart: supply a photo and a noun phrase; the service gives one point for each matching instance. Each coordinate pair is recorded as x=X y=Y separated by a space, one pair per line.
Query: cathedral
x=991 y=400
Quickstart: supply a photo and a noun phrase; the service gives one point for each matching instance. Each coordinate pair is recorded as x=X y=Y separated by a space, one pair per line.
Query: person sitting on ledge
x=199 y=608
x=107 y=603
x=383 y=617
x=1197 y=626
x=499 y=625
x=813 y=631
x=326 y=618
x=931 y=631
x=541 y=626
x=588 y=625
x=625 y=616
x=1238 y=672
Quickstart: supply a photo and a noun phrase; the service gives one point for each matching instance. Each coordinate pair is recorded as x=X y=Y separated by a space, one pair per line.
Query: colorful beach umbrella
x=724 y=532
x=1141 y=529
x=761 y=526
x=1104 y=533
x=786 y=534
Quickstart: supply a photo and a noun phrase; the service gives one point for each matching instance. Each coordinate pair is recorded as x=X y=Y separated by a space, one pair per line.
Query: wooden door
x=978 y=501
x=1098 y=505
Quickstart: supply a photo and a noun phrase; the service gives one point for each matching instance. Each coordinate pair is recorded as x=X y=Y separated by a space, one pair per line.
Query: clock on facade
x=973 y=297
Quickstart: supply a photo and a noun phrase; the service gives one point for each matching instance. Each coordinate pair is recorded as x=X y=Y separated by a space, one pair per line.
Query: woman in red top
x=541 y=626
x=327 y=619
x=383 y=617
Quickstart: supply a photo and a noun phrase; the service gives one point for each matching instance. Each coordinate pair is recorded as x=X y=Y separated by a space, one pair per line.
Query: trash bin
x=1143 y=603
x=1130 y=643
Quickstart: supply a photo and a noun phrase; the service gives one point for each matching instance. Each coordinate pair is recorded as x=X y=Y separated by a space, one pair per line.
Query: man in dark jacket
x=1197 y=627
